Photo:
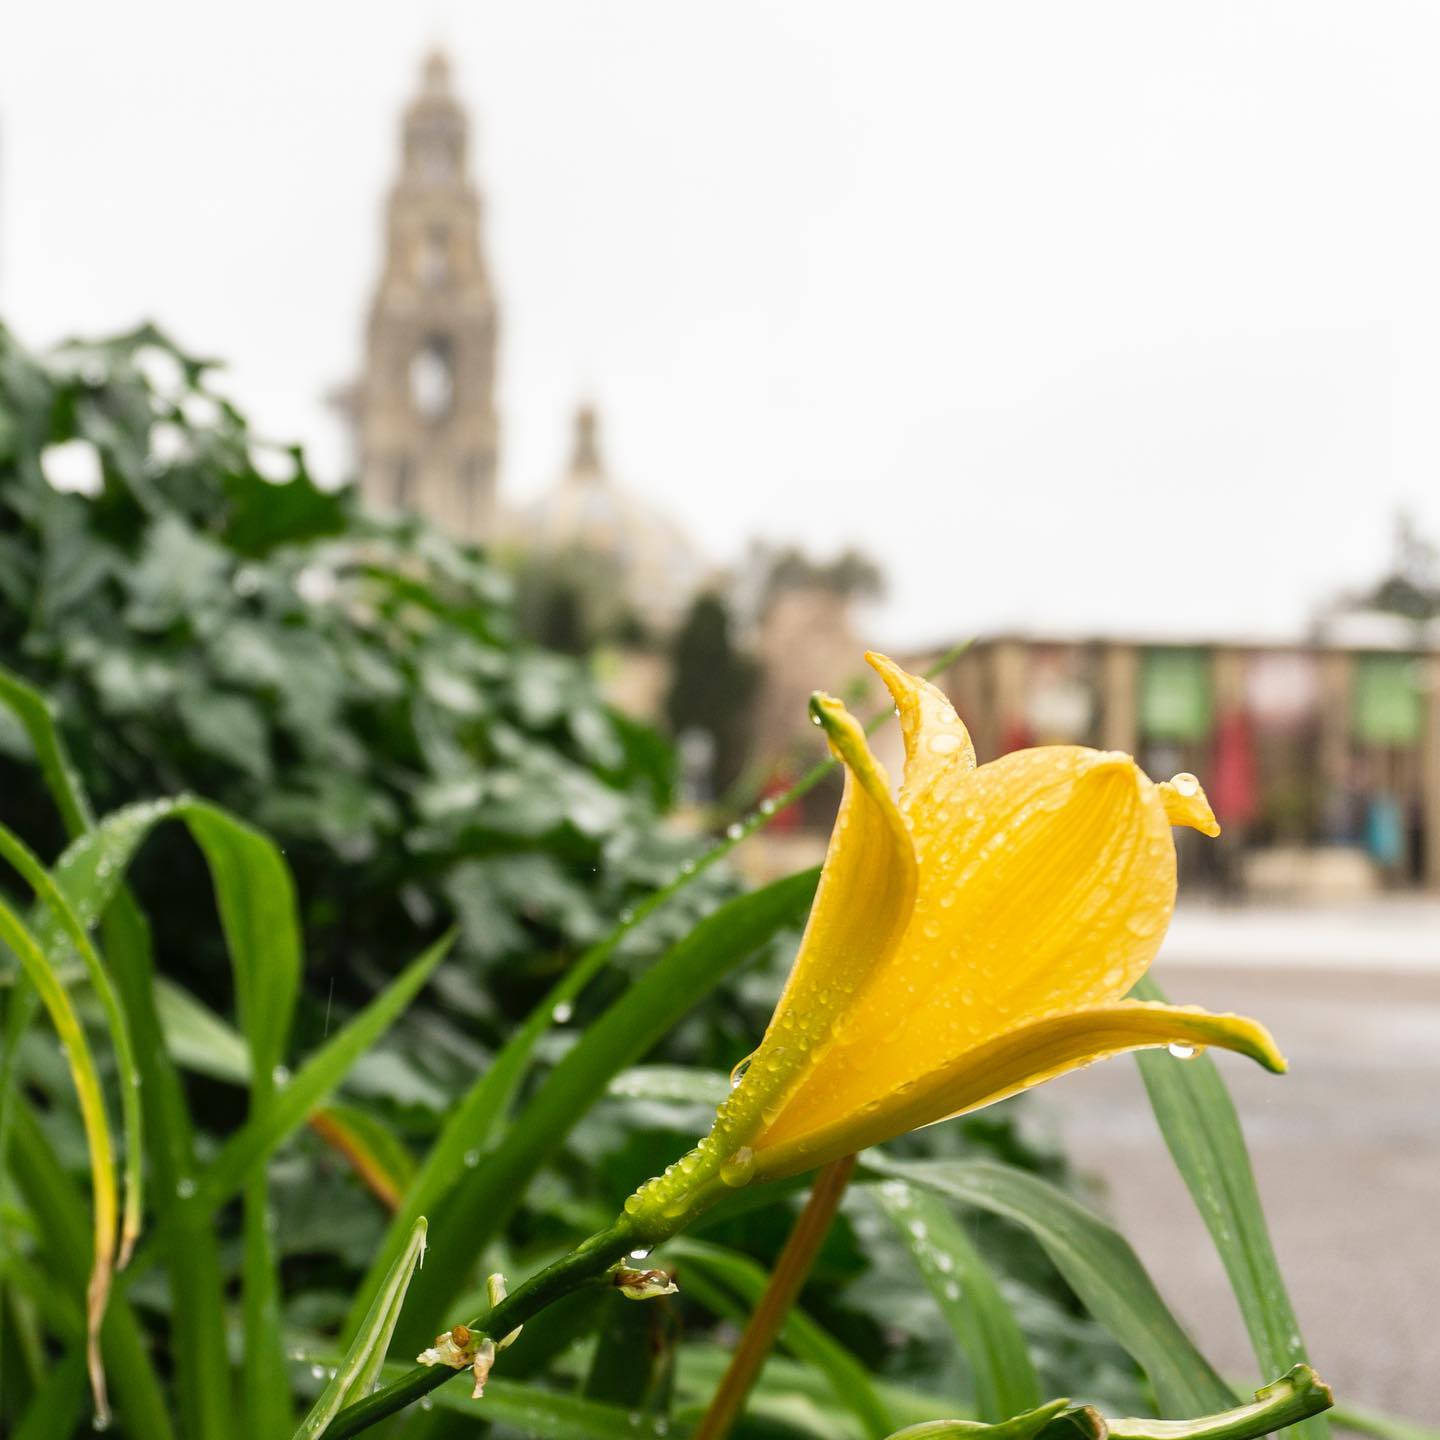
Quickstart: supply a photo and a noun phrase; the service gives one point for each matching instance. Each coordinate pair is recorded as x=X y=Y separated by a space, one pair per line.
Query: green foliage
x=713 y=687
x=211 y=620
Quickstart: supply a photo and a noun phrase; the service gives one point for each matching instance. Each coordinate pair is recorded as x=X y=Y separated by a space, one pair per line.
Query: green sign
x=1175 y=695
x=1386 y=700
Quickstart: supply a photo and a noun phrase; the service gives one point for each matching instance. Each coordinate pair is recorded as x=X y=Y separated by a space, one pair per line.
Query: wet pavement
x=1346 y=1147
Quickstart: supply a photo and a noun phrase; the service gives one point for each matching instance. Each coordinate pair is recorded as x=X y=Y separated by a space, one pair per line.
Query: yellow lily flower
x=969 y=940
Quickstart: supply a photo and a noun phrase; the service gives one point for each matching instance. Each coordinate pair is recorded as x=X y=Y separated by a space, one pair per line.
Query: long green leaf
x=40 y=972
x=1364 y=1421
x=256 y=900
x=36 y=714
x=700 y=1367
x=60 y=1215
x=54 y=1412
x=486 y=1194
x=529 y=1410
x=849 y=1377
x=256 y=903
x=197 y=1039
x=1291 y=1398
x=317 y=1077
x=365 y=1357
x=198 y=1320
x=57 y=929
x=1202 y=1130
x=977 y=1313
x=201 y=1363
x=1094 y=1258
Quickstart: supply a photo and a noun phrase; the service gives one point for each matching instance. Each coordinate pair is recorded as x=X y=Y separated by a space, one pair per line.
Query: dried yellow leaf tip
x=970 y=939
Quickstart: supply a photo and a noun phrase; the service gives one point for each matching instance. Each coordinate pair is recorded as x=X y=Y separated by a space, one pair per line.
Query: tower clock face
x=432 y=379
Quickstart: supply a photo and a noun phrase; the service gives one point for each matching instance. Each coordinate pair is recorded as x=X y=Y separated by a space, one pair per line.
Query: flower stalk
x=791 y=1268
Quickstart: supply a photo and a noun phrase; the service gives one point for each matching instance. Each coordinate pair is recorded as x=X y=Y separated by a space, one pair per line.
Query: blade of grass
x=363 y=1360
x=58 y=928
x=105 y=1199
x=965 y=1291
x=529 y=1410
x=201 y=1364
x=710 y=1271
x=1056 y=1418
x=1290 y=1400
x=54 y=1412
x=1197 y=1117
x=256 y=900
x=290 y=1106
x=37 y=716
x=187 y=1240
x=1094 y=1258
x=487 y=1193
x=700 y=1367
x=60 y=1216
x=1365 y=1421
x=376 y=1154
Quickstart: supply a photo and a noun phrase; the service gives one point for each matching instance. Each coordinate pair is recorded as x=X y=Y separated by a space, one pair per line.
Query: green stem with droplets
x=580 y=1267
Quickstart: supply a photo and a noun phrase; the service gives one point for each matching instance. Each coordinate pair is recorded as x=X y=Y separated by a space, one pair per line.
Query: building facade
x=423 y=408
x=1315 y=756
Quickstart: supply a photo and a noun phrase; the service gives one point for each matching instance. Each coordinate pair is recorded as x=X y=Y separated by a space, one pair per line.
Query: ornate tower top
x=585 y=462
x=423 y=408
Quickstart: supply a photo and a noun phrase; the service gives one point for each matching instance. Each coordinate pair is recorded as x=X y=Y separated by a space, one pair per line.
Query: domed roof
x=587 y=511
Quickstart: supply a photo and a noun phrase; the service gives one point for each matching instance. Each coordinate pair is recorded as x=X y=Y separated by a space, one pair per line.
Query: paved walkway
x=1346 y=1147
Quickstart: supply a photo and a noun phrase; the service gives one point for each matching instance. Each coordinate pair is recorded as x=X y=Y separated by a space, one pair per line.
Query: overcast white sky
x=1074 y=315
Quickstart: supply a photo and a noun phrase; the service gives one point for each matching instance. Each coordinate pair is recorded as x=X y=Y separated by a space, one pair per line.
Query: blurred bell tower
x=423 y=409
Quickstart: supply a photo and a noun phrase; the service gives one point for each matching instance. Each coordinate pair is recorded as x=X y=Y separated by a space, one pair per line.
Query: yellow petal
x=861 y=909
x=1029 y=1054
x=1044 y=885
x=1186 y=804
x=938 y=750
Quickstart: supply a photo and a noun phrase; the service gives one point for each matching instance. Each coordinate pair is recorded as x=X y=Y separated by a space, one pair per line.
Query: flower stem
x=581 y=1265
x=791 y=1268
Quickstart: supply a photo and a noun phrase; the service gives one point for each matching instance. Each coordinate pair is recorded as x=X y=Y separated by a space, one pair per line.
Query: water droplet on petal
x=1183 y=1052
x=643 y=1253
x=738 y=1073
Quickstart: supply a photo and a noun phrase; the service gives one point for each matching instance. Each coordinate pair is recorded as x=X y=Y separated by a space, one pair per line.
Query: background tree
x=713 y=686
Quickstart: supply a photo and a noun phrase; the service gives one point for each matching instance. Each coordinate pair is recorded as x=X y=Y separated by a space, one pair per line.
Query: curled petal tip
x=1186 y=804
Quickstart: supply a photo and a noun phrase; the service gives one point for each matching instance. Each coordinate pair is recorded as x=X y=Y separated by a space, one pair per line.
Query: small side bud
x=642 y=1284
x=455 y=1348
